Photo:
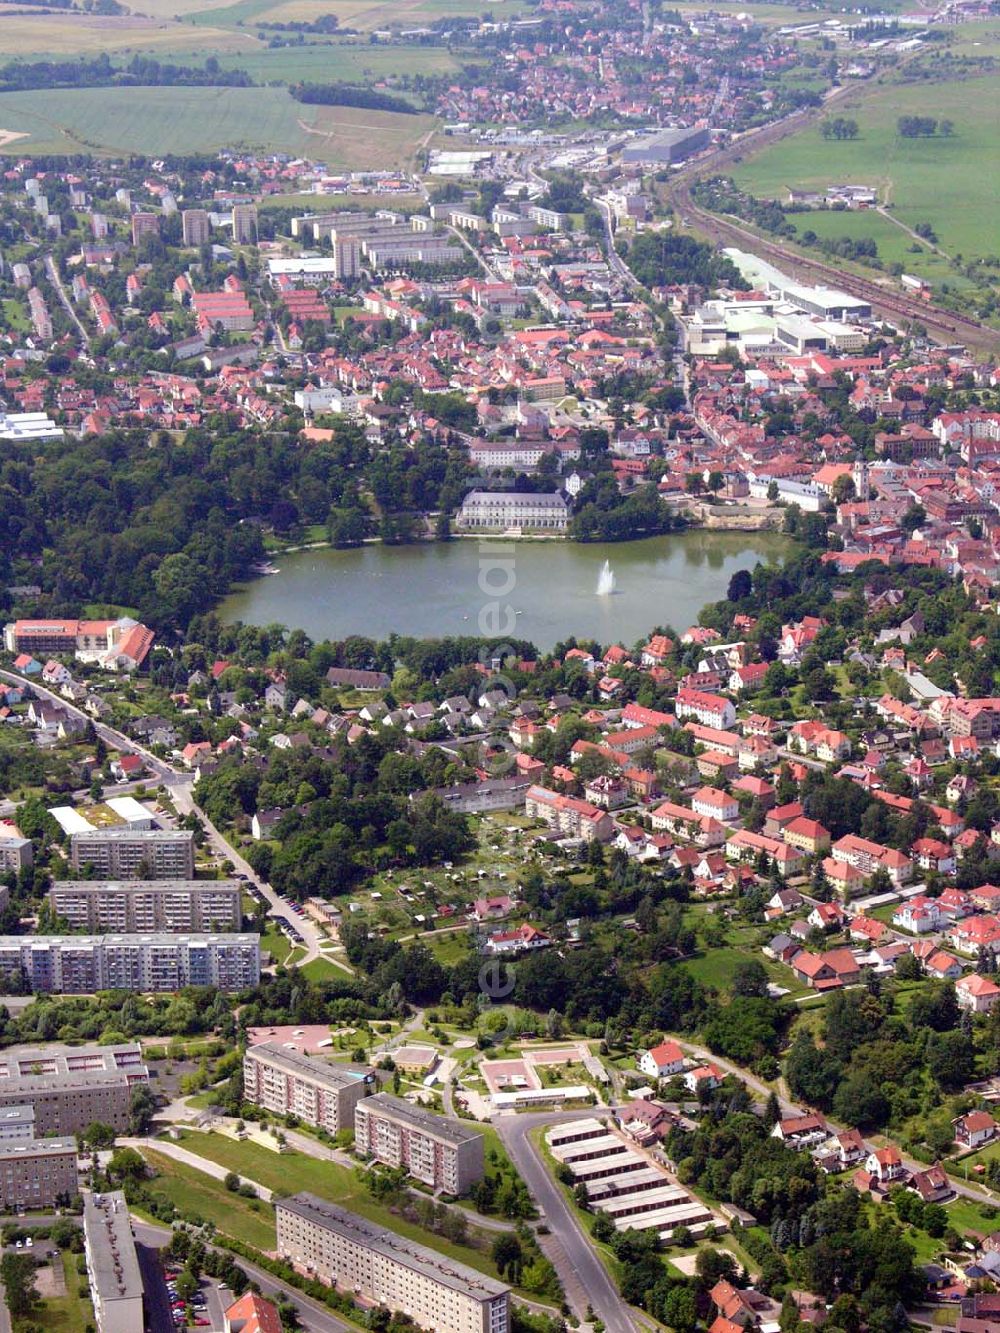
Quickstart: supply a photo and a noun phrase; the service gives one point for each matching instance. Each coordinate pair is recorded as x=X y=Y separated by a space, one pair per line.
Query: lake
x=433 y=590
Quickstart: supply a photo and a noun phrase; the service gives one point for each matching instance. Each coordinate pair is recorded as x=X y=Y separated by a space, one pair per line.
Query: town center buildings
x=345 y=1250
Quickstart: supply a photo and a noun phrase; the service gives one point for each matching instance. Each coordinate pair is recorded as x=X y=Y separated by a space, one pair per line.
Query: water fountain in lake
x=606 y=580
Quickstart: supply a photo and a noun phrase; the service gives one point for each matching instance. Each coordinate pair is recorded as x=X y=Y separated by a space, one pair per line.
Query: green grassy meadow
x=951 y=183
x=164 y=119
x=191 y=1191
x=290 y=1172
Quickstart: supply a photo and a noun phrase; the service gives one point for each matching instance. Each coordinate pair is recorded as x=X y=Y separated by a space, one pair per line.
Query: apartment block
x=148 y=905
x=121 y=853
x=196 y=229
x=112 y=1265
x=69 y=1087
x=83 y=964
x=244 y=224
x=443 y=1154
x=348 y=1252
x=318 y=1092
x=37 y=1173
x=144 y=224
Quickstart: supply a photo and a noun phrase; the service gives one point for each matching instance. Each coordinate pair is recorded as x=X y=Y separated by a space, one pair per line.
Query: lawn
x=322 y=969
x=950 y=183
x=277 y=944
x=193 y=1192
x=161 y=120
x=290 y=1172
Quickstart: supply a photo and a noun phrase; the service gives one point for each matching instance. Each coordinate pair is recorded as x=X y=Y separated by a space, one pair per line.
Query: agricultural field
x=923 y=179
x=61 y=35
x=361 y=15
x=163 y=119
x=336 y=62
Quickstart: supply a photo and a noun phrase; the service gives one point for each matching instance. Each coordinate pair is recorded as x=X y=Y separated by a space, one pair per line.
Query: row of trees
x=923 y=127
x=839 y=127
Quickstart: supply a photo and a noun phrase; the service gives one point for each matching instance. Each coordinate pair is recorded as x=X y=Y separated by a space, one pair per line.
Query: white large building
x=18 y=426
x=502 y=511
x=442 y=1153
x=348 y=1252
x=317 y=1091
x=112 y=1265
x=140 y=905
x=124 y=853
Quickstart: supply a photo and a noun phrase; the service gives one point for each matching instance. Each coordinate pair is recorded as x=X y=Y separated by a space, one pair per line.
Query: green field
x=893 y=242
x=950 y=183
x=179 y=120
x=290 y=1172
x=192 y=1191
x=361 y=15
x=332 y=62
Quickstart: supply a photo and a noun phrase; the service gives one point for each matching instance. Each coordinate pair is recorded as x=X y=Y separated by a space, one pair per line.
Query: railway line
x=945 y=325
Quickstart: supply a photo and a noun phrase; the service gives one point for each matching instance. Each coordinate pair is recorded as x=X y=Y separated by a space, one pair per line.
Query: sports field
x=954 y=184
x=180 y=120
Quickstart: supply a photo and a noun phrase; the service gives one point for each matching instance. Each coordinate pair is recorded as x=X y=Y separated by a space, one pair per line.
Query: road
x=615 y=262
x=180 y=786
x=567 y=1246
x=181 y=790
x=52 y=270
x=313 y=1317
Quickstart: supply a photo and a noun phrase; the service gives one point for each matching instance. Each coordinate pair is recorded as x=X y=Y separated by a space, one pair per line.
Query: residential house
x=663 y=1061
x=974 y=1129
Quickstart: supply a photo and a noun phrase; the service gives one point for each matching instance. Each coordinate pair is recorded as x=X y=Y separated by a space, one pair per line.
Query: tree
x=812 y=1073
x=749 y=979
x=740 y=586
x=141 y=1106
x=180 y=585
x=508 y=1255
x=17 y=1272
x=915 y=517
x=860 y=1102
